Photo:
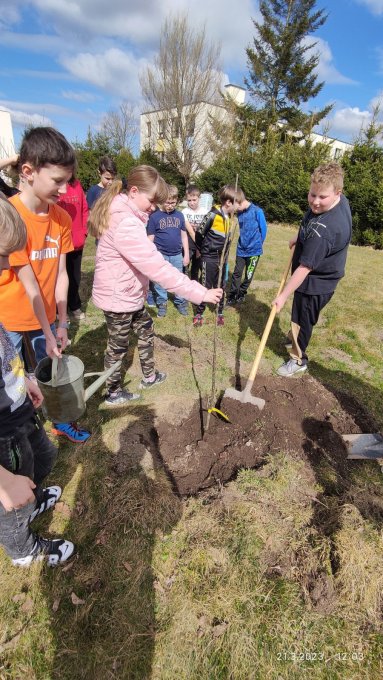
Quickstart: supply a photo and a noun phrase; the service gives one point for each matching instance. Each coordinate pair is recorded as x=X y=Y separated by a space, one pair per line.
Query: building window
x=161 y=128
x=337 y=153
x=175 y=127
x=149 y=129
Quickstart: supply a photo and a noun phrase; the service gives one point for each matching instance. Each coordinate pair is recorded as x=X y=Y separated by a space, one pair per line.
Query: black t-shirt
x=15 y=406
x=322 y=246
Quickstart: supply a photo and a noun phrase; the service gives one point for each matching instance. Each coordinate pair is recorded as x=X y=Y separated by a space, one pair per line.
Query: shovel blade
x=364 y=446
x=245 y=397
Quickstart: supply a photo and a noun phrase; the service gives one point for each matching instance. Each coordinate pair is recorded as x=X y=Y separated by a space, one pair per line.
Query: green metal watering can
x=61 y=382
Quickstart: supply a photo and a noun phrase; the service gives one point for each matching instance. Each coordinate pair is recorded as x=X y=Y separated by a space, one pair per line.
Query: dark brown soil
x=300 y=416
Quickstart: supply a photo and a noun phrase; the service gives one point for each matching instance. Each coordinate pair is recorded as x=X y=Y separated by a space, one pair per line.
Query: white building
x=7 y=144
x=160 y=130
x=337 y=147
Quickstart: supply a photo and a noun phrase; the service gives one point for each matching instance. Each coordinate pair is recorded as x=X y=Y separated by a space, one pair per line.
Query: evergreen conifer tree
x=282 y=65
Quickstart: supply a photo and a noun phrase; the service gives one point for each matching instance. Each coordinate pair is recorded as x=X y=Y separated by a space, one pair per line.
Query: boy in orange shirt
x=38 y=281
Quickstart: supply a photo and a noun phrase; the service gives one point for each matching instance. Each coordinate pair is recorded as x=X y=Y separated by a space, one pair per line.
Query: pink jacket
x=74 y=202
x=126 y=260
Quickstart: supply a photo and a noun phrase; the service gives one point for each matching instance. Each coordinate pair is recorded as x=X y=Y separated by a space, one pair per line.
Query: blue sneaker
x=162 y=309
x=71 y=431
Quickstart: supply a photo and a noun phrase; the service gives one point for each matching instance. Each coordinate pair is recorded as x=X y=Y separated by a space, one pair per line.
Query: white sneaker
x=55 y=550
x=290 y=368
x=49 y=498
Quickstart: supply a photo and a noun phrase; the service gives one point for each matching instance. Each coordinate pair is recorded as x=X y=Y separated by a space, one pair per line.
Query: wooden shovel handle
x=270 y=320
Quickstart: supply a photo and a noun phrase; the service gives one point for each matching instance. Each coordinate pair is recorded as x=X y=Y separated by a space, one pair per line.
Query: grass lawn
x=250 y=581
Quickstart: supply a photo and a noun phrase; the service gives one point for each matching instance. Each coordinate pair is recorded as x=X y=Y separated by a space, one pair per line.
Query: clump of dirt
x=300 y=416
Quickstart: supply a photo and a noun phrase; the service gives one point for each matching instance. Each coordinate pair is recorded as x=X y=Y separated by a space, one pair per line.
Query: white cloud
x=9 y=13
x=39 y=43
x=138 y=22
x=377 y=102
x=376 y=6
x=326 y=70
x=114 y=70
x=30 y=73
x=31 y=107
x=346 y=123
x=24 y=118
x=82 y=97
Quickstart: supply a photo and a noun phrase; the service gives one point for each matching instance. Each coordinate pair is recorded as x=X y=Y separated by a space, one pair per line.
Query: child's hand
x=185 y=260
x=213 y=295
x=62 y=338
x=51 y=347
x=34 y=392
x=279 y=302
x=15 y=490
x=293 y=241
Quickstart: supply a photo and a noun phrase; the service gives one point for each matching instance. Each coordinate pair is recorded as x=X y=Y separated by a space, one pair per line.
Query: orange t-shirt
x=48 y=237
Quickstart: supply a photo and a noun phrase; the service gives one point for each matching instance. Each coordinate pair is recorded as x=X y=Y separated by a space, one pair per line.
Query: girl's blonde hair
x=146 y=178
x=13 y=232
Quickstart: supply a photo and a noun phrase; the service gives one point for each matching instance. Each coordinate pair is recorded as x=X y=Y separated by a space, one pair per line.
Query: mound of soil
x=300 y=416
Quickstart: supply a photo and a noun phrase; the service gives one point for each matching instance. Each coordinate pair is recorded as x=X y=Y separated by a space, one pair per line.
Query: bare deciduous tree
x=120 y=126
x=181 y=88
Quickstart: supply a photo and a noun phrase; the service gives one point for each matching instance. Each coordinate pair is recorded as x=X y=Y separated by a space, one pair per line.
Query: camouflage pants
x=119 y=325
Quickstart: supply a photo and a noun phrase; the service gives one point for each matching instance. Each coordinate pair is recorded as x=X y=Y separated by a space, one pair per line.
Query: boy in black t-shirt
x=319 y=260
x=26 y=454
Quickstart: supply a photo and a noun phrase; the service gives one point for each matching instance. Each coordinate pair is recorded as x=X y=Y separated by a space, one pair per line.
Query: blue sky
x=67 y=63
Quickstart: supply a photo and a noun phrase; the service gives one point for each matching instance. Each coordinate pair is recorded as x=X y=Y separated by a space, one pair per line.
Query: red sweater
x=74 y=202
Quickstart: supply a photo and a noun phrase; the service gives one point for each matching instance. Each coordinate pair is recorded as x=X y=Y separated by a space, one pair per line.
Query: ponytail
x=99 y=215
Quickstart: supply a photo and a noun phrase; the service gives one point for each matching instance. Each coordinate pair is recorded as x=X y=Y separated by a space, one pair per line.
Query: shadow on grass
x=253 y=315
x=122 y=502
x=341 y=479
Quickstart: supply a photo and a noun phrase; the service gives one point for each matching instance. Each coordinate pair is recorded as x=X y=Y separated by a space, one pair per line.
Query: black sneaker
x=240 y=299
x=231 y=301
x=162 y=310
x=145 y=384
x=55 y=550
x=49 y=498
x=120 y=398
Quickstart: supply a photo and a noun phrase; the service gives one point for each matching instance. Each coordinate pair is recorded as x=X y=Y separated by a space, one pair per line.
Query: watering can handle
x=55 y=365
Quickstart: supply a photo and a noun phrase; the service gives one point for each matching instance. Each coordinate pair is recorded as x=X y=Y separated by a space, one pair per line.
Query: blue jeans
x=160 y=294
x=37 y=339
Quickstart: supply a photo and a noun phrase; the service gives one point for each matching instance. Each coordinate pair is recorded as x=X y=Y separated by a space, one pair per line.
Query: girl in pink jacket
x=125 y=262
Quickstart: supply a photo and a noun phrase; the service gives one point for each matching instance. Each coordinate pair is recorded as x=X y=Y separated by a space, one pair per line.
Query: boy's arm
x=262 y=224
x=15 y=490
x=203 y=229
x=190 y=230
x=294 y=282
x=185 y=246
x=12 y=160
x=32 y=289
x=61 y=295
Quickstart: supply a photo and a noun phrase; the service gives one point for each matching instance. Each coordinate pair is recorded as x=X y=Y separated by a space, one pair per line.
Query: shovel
x=245 y=396
x=364 y=446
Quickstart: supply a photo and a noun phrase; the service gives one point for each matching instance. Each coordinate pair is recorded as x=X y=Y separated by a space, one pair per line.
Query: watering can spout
x=89 y=392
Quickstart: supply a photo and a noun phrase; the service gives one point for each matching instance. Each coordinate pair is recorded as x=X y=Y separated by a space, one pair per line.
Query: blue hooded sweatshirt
x=252 y=231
